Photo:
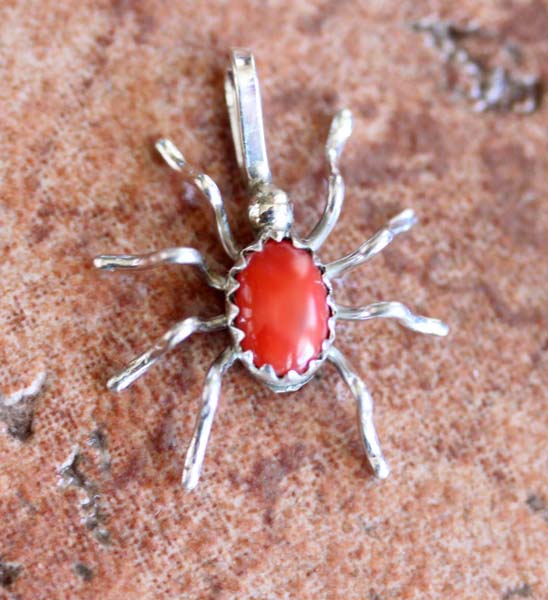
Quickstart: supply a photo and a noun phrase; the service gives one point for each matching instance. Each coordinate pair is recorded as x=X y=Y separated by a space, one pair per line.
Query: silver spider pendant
x=280 y=309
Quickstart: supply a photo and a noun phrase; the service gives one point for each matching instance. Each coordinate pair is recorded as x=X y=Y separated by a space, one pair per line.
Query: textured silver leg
x=394 y=310
x=341 y=128
x=399 y=224
x=210 y=399
x=365 y=413
x=175 y=159
x=174 y=336
x=175 y=256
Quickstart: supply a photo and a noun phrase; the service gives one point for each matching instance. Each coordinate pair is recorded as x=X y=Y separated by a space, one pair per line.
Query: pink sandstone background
x=287 y=507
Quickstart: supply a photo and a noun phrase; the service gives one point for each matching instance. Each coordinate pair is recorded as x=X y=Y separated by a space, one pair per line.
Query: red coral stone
x=283 y=307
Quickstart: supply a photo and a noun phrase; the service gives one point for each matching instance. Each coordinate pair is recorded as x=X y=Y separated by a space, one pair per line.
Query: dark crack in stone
x=522 y=591
x=83 y=571
x=17 y=409
x=93 y=516
x=488 y=83
x=9 y=572
x=98 y=440
x=538 y=504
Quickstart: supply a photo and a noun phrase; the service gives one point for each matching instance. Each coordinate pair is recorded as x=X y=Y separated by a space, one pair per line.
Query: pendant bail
x=243 y=99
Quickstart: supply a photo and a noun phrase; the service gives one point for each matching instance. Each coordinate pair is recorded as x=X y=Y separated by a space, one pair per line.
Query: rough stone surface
x=287 y=507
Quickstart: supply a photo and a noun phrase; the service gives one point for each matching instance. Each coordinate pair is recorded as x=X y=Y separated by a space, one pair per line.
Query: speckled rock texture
x=91 y=505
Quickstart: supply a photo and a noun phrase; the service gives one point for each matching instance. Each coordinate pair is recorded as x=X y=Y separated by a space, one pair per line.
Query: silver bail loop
x=243 y=98
x=269 y=208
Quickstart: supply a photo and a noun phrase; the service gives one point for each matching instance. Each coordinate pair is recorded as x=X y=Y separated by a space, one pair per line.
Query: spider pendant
x=280 y=309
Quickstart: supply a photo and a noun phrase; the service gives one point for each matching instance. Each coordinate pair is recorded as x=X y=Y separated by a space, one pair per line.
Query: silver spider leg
x=394 y=310
x=175 y=159
x=210 y=399
x=339 y=132
x=364 y=404
x=370 y=248
x=173 y=337
x=177 y=256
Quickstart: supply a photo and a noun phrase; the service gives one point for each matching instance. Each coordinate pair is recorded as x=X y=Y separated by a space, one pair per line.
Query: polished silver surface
x=339 y=132
x=175 y=159
x=271 y=215
x=335 y=200
x=169 y=256
x=397 y=311
x=270 y=208
x=370 y=248
x=171 y=338
x=210 y=399
x=364 y=405
x=243 y=100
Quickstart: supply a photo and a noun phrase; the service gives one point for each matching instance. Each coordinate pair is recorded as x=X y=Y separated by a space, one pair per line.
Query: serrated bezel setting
x=292 y=380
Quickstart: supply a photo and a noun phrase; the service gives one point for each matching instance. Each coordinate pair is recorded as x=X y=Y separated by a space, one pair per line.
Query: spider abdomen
x=283 y=308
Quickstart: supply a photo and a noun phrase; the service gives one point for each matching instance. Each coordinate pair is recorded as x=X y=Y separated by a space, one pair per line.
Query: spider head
x=270 y=209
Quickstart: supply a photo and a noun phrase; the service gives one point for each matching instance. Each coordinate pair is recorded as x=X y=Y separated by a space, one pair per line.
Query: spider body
x=280 y=309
